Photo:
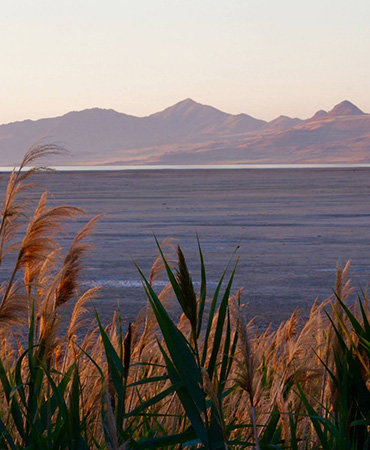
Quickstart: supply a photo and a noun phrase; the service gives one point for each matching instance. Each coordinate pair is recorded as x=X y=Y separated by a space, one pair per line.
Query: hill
x=189 y=132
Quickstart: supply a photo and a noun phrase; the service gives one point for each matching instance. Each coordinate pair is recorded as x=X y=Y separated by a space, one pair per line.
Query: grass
x=208 y=379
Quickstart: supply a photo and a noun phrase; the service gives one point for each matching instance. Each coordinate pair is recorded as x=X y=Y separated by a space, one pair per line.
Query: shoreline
x=110 y=168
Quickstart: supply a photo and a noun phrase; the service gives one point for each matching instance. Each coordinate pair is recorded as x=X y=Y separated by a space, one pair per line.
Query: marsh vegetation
x=207 y=378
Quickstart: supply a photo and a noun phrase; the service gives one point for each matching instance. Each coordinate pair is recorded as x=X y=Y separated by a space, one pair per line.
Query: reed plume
x=73 y=264
x=210 y=378
x=13 y=207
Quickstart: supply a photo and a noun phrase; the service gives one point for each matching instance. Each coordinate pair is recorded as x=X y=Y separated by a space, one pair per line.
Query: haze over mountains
x=191 y=133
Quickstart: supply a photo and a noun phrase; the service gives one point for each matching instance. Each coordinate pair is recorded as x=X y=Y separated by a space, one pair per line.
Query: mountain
x=345 y=108
x=342 y=136
x=96 y=134
x=189 y=132
x=281 y=123
x=189 y=116
x=85 y=133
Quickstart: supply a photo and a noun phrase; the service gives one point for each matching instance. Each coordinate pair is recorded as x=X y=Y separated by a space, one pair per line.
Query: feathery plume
x=73 y=264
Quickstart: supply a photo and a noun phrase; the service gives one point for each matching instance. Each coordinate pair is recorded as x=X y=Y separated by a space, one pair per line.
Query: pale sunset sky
x=261 y=57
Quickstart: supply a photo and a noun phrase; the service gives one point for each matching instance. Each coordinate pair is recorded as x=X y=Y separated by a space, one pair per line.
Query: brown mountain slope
x=96 y=134
x=345 y=108
x=337 y=136
x=191 y=133
x=281 y=123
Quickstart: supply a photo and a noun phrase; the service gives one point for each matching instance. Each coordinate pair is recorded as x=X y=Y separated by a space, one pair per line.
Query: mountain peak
x=185 y=105
x=282 y=123
x=187 y=101
x=188 y=107
x=92 y=111
x=345 y=108
x=320 y=114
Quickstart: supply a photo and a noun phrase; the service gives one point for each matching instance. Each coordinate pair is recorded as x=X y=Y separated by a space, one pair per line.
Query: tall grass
x=207 y=379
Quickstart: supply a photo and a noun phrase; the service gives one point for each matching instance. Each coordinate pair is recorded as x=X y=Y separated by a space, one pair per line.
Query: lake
x=291 y=227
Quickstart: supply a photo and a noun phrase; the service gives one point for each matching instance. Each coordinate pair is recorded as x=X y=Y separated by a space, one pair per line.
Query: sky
x=261 y=57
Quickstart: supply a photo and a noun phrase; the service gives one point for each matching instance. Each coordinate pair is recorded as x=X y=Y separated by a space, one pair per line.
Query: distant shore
x=201 y=167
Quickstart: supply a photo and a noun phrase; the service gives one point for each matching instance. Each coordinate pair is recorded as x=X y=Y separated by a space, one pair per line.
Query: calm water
x=292 y=227
x=202 y=167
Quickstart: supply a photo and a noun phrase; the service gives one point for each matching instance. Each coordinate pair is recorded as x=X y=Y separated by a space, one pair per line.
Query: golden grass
x=266 y=365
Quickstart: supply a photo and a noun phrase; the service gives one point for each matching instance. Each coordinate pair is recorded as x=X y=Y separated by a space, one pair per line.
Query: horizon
x=181 y=167
x=256 y=57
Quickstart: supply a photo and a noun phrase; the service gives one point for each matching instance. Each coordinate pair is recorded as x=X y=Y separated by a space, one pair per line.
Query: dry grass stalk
x=268 y=364
x=13 y=207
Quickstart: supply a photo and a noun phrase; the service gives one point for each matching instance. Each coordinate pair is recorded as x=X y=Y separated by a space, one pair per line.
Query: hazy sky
x=262 y=57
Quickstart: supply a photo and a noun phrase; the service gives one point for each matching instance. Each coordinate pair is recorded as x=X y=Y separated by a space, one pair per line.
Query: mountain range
x=192 y=133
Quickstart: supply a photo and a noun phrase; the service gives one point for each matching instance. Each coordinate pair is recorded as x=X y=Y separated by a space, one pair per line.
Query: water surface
x=292 y=227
